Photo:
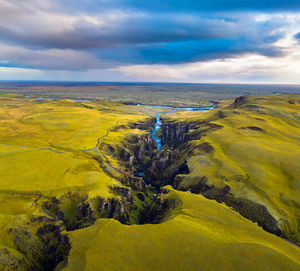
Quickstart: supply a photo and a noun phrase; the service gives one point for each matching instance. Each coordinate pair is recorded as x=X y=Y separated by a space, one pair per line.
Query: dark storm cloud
x=212 y=39
x=101 y=32
x=142 y=29
x=192 y=51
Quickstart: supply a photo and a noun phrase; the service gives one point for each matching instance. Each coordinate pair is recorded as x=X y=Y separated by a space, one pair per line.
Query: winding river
x=171 y=109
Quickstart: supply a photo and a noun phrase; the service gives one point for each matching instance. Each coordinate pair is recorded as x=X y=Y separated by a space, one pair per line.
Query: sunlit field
x=75 y=191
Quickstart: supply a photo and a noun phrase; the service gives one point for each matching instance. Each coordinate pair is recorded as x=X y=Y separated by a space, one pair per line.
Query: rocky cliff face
x=139 y=155
x=169 y=166
x=175 y=134
x=247 y=208
x=153 y=168
x=39 y=242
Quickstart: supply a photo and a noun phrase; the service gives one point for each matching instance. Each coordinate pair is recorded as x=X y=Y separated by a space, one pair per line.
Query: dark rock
x=155 y=212
x=141 y=196
x=254 y=212
x=123 y=191
x=240 y=101
x=44 y=248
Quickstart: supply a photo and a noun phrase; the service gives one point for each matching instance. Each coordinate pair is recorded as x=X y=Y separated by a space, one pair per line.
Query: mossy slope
x=201 y=235
x=254 y=154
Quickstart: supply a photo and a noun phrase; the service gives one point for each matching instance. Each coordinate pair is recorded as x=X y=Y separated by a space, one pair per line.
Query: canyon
x=140 y=177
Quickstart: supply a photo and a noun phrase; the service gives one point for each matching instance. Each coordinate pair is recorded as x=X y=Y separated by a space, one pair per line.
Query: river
x=171 y=110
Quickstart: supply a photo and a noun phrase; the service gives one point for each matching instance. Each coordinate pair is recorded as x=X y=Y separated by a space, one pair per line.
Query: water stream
x=171 y=110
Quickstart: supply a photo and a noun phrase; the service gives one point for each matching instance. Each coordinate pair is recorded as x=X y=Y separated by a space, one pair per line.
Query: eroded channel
x=148 y=162
x=171 y=109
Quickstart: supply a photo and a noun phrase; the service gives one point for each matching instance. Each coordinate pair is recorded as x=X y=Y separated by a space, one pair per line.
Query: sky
x=192 y=41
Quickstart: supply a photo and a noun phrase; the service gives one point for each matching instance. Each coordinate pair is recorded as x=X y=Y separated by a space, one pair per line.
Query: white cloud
x=8 y=73
x=246 y=69
x=9 y=70
x=48 y=59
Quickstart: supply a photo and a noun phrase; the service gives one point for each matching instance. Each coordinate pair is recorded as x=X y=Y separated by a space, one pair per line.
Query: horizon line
x=147 y=82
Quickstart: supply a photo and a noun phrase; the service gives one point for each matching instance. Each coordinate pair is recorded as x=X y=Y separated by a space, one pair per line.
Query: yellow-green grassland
x=83 y=186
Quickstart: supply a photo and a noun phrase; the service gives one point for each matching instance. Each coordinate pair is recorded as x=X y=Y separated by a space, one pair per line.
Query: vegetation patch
x=95 y=190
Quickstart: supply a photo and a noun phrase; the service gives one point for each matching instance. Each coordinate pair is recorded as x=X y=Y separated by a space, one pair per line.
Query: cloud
x=17 y=56
x=48 y=29
x=192 y=51
x=112 y=35
x=142 y=37
x=247 y=69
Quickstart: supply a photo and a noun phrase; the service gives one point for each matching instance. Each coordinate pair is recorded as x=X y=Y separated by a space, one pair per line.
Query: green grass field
x=256 y=153
x=52 y=174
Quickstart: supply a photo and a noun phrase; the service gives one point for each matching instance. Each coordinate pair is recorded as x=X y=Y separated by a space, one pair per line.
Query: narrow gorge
x=160 y=158
x=144 y=162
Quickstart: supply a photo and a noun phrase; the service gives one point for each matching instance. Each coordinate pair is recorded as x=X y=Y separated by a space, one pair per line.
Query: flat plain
x=167 y=94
